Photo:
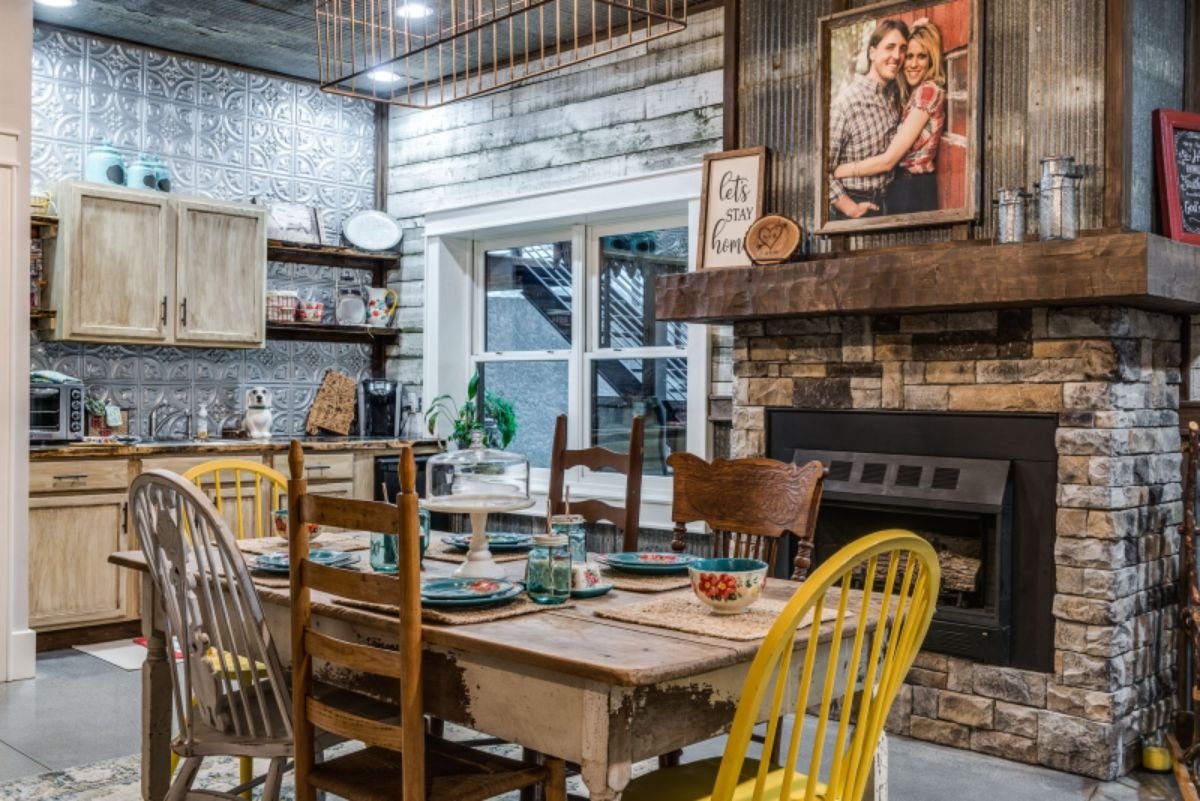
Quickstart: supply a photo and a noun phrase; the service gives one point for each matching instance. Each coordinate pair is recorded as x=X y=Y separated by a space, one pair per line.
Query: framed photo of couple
x=898 y=115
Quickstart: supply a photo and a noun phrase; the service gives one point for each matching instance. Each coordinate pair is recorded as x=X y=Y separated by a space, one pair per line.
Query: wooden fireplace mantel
x=1129 y=268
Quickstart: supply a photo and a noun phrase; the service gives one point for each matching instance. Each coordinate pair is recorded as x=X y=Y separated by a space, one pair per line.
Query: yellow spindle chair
x=215 y=479
x=218 y=477
x=883 y=630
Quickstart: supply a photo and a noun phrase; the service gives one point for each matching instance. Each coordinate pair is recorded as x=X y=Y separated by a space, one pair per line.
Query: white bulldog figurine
x=258 y=413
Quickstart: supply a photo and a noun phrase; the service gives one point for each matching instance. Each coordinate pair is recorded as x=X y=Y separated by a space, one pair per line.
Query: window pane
x=538 y=393
x=653 y=388
x=528 y=304
x=629 y=263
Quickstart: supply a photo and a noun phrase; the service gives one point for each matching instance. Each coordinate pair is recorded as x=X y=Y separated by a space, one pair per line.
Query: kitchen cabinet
x=137 y=266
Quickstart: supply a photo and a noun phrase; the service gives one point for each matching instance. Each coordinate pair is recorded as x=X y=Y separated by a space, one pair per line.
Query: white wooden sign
x=730 y=202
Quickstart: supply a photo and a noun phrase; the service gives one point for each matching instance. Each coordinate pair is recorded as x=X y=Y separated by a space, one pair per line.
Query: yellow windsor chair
x=891 y=622
x=217 y=479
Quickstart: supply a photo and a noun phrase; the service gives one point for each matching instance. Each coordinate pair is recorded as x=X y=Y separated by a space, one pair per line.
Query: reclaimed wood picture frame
x=898 y=136
x=731 y=199
x=1177 y=162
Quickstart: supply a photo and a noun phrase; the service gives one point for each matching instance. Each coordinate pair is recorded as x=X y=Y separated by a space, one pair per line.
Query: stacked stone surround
x=1111 y=374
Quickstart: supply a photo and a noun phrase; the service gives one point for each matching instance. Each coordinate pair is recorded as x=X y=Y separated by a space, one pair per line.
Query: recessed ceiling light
x=56 y=3
x=383 y=75
x=413 y=10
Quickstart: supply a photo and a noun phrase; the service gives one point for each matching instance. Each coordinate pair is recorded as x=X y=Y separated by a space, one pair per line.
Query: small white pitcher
x=380 y=307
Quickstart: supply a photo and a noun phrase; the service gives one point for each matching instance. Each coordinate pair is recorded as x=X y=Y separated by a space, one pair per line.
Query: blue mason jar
x=571 y=527
x=385 y=548
x=548 y=571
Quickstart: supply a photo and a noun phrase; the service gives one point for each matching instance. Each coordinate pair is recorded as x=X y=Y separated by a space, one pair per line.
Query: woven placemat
x=623 y=580
x=461 y=617
x=441 y=552
x=336 y=540
x=688 y=614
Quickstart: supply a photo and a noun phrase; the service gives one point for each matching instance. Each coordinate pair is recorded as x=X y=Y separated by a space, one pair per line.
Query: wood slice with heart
x=772 y=239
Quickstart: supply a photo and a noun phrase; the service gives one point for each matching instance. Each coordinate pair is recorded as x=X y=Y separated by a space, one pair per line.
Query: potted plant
x=499 y=424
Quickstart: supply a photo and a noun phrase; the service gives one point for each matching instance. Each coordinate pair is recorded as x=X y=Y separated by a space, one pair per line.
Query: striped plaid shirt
x=862 y=121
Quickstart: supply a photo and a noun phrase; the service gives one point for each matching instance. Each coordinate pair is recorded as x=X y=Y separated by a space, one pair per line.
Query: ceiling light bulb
x=56 y=3
x=383 y=75
x=413 y=10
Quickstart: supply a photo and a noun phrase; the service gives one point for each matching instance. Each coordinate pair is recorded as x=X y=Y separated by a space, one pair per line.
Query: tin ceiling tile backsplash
x=224 y=133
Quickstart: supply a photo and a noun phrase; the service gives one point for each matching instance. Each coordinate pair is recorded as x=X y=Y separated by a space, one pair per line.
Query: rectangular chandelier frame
x=434 y=52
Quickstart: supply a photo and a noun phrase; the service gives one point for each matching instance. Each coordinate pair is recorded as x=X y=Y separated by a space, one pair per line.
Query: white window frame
x=455 y=240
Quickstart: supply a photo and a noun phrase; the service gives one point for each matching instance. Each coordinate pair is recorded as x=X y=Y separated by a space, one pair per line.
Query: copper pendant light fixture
x=425 y=54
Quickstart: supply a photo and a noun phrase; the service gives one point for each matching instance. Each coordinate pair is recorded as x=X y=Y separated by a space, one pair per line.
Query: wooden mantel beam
x=1134 y=269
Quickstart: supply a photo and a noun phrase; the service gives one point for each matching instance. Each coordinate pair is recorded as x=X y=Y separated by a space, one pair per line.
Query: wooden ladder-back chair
x=253 y=489
x=882 y=631
x=231 y=697
x=749 y=504
x=595 y=511
x=400 y=760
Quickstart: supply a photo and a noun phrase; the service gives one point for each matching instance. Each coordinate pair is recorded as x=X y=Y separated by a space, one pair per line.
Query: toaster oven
x=56 y=411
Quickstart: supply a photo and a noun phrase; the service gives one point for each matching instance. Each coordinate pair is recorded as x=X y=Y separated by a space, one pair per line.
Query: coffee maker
x=379 y=408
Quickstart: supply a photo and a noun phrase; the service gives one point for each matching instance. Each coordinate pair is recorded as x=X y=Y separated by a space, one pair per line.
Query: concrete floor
x=81 y=709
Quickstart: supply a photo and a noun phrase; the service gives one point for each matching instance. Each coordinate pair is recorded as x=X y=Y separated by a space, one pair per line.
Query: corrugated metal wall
x=1042 y=93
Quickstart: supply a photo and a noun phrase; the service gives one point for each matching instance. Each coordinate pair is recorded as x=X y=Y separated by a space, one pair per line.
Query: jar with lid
x=571 y=527
x=548 y=570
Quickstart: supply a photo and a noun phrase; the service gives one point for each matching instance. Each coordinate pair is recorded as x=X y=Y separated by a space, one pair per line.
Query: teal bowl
x=728 y=586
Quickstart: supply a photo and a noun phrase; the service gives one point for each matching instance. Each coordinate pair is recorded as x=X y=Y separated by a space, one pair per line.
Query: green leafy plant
x=463 y=418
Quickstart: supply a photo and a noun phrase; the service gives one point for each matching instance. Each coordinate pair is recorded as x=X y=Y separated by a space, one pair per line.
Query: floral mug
x=380 y=306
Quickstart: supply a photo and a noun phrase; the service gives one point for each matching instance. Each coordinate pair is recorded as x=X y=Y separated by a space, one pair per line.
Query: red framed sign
x=1177 y=156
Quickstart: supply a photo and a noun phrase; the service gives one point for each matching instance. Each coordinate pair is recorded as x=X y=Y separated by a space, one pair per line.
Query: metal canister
x=1010 y=215
x=1058 y=207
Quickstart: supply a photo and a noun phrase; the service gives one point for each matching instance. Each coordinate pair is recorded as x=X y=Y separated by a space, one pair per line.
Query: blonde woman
x=913 y=150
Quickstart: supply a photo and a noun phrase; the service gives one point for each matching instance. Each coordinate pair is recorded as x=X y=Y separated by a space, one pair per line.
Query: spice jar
x=571 y=527
x=548 y=570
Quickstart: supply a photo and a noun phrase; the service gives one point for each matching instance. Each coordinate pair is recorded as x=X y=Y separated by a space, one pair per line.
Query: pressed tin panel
x=1042 y=94
x=227 y=134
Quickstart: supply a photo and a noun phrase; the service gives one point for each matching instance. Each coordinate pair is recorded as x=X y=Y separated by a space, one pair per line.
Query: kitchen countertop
x=225 y=446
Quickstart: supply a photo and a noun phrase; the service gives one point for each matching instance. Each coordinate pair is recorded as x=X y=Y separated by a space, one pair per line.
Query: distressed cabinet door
x=71 y=582
x=112 y=264
x=221 y=274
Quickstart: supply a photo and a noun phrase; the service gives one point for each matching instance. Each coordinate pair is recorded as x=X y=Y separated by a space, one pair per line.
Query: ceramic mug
x=312 y=311
x=379 y=309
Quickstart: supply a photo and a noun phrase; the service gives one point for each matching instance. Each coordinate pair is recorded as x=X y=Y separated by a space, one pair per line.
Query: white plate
x=372 y=230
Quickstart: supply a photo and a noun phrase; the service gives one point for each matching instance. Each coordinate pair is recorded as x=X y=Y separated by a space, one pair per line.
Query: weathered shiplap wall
x=1159 y=42
x=650 y=107
x=1042 y=94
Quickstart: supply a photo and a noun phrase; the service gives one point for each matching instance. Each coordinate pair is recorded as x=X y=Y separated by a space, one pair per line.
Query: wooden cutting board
x=333 y=408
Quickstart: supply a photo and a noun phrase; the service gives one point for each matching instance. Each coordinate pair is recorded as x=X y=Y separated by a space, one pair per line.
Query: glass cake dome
x=477 y=476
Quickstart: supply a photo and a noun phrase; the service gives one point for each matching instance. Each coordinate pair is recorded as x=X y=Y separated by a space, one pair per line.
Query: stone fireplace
x=1105 y=380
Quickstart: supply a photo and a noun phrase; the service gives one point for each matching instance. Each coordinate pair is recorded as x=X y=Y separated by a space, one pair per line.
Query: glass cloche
x=478 y=474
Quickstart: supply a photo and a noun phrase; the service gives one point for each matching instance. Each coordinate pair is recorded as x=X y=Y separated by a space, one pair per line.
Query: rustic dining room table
x=597 y=692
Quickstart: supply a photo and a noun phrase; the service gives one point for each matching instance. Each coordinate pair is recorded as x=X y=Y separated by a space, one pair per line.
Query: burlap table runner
x=521 y=605
x=633 y=582
x=336 y=541
x=688 y=614
x=442 y=552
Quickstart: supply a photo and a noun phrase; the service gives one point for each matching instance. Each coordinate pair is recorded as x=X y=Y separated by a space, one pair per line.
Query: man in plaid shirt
x=862 y=121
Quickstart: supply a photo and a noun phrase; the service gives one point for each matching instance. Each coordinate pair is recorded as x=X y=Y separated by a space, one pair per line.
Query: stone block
x=925 y=701
x=1085 y=441
x=1023 y=687
x=991 y=371
x=1092 y=610
x=1071 y=522
x=1089 y=322
x=940 y=731
x=749 y=417
x=821 y=393
x=914 y=373
x=1090 y=395
x=931 y=661
x=748 y=328
x=960 y=674
x=969 y=710
x=1074 y=469
x=1093 y=672
x=971 y=321
x=900 y=715
x=926 y=678
x=1091 y=748
x=893 y=385
x=866 y=398
x=1015 y=719
x=771 y=391
x=926 y=397
x=945 y=345
x=1073 y=552
x=1006 y=398
x=893 y=347
x=1068 y=580
x=922 y=323
x=956 y=372
x=793 y=326
x=1084 y=703
x=751 y=369
x=1004 y=745
x=769 y=349
x=747 y=444
x=794 y=370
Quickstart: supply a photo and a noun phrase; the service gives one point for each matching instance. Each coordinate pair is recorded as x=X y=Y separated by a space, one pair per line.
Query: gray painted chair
x=231 y=697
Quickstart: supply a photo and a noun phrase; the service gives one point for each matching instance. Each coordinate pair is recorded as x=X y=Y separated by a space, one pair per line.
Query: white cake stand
x=479 y=563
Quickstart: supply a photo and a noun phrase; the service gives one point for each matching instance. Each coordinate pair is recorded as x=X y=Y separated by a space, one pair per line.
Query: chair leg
x=535 y=792
x=182 y=785
x=245 y=774
x=556 y=784
x=437 y=727
x=671 y=759
x=274 y=779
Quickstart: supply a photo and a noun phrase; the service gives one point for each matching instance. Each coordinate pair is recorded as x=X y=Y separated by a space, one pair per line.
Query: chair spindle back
x=253 y=490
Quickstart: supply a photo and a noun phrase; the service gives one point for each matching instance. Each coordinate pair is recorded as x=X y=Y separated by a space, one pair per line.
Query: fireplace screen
x=961 y=506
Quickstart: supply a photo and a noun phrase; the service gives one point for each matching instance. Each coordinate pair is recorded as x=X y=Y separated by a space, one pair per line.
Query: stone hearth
x=1111 y=374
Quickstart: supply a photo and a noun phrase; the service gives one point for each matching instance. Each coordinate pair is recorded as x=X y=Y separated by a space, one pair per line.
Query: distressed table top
x=572 y=640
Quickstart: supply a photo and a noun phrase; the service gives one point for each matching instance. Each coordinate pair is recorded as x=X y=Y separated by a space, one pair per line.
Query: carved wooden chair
x=401 y=760
x=231 y=697
x=594 y=511
x=252 y=489
x=749 y=504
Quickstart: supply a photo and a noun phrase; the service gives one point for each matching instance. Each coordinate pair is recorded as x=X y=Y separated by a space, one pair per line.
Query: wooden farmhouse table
x=597 y=692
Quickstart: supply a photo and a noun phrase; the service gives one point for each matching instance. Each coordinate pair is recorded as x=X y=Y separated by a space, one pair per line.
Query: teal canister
x=162 y=175
x=142 y=175
x=104 y=165
x=572 y=527
x=385 y=548
x=548 y=571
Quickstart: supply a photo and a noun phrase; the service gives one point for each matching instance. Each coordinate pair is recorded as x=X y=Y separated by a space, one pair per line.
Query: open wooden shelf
x=37 y=315
x=1127 y=268
x=326 y=332
x=43 y=221
x=296 y=253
